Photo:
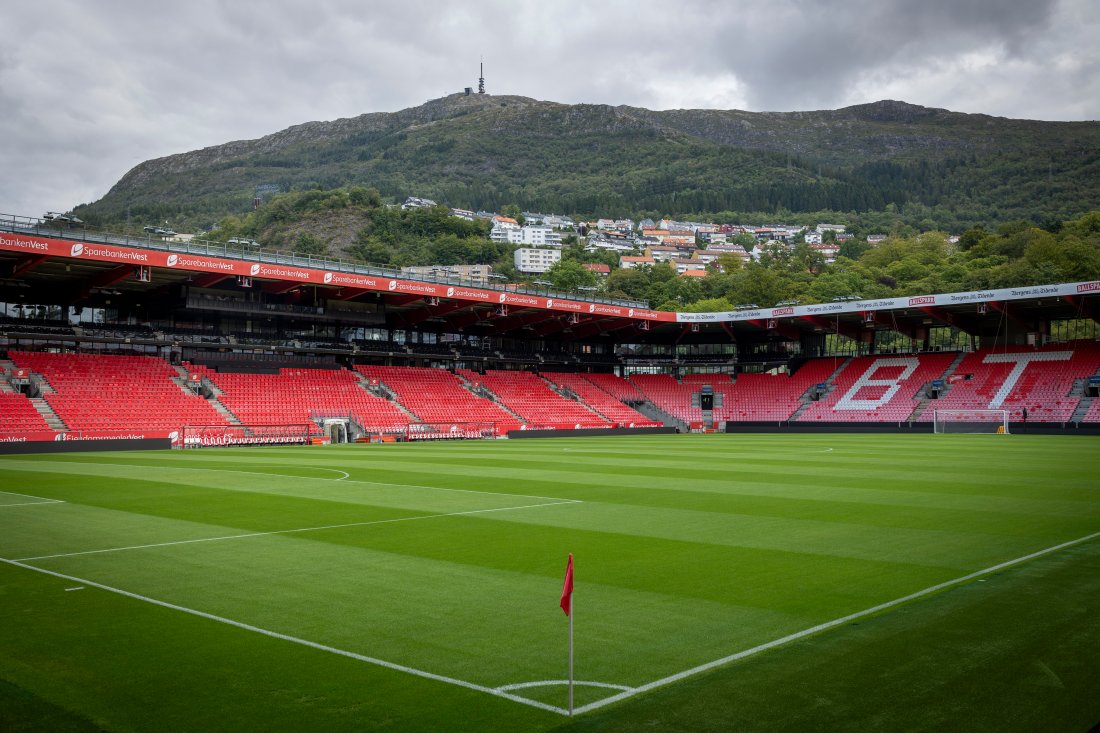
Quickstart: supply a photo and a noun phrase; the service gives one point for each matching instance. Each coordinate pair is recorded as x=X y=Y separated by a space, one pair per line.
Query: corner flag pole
x=567 y=606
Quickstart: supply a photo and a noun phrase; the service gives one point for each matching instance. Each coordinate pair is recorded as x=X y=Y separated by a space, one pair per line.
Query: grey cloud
x=91 y=89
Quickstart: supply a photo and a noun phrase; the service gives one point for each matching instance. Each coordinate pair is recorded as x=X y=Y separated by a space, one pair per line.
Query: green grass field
x=415 y=587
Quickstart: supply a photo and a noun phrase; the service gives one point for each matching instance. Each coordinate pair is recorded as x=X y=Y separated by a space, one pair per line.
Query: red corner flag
x=567 y=587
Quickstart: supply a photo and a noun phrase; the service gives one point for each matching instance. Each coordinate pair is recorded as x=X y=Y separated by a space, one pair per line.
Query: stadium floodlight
x=970 y=421
x=847 y=298
x=746 y=306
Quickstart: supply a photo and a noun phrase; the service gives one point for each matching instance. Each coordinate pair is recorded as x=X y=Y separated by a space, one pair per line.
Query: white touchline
x=294 y=639
x=292 y=531
x=827 y=625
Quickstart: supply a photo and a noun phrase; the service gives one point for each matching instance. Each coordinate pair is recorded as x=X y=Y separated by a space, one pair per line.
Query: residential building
x=415 y=202
x=600 y=269
x=627 y=262
x=532 y=261
x=478 y=273
x=683 y=266
x=662 y=253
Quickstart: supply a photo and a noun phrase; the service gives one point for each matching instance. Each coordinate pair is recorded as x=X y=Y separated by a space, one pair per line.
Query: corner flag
x=567 y=588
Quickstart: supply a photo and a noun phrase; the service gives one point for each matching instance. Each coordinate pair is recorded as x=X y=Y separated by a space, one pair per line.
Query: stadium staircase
x=381 y=389
x=532 y=399
x=576 y=387
x=925 y=399
x=215 y=395
x=438 y=396
x=52 y=419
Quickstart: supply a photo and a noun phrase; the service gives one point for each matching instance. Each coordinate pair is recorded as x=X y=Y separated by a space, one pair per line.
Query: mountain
x=484 y=151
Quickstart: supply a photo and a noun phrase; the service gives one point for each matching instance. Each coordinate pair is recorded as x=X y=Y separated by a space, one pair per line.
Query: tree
x=310 y=244
x=570 y=275
x=513 y=211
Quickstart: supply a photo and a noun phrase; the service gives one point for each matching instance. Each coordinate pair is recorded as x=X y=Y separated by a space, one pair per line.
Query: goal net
x=206 y=436
x=971 y=421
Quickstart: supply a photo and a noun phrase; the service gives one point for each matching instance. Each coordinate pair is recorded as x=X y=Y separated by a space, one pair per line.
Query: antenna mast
x=481 y=79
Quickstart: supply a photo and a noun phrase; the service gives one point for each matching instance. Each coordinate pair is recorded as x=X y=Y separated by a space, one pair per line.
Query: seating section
x=438 y=396
x=761 y=397
x=619 y=388
x=530 y=397
x=878 y=388
x=111 y=394
x=17 y=415
x=295 y=396
x=1020 y=377
x=96 y=392
x=598 y=400
x=668 y=395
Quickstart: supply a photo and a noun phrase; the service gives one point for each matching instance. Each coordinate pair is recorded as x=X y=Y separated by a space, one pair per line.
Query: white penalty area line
x=295 y=639
x=296 y=530
x=40 y=500
x=664 y=681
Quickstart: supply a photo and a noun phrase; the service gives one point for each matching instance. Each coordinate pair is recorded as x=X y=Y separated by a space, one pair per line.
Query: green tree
x=310 y=244
x=570 y=275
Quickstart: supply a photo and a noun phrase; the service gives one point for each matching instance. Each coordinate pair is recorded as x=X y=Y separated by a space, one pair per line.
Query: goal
x=971 y=421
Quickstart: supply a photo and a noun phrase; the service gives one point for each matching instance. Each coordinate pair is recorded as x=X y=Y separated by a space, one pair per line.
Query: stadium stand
x=93 y=392
x=296 y=395
x=532 y=399
x=617 y=387
x=1093 y=413
x=878 y=388
x=774 y=397
x=597 y=399
x=17 y=415
x=438 y=396
x=668 y=395
x=1015 y=378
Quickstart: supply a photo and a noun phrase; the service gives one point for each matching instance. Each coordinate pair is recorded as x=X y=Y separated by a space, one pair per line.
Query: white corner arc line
x=552 y=683
x=43 y=499
x=32 y=503
x=828 y=625
x=296 y=640
x=292 y=531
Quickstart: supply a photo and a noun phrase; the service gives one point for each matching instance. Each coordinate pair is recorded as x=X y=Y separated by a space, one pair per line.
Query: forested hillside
x=937 y=169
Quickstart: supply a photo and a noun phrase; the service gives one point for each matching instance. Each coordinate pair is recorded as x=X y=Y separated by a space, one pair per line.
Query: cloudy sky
x=89 y=89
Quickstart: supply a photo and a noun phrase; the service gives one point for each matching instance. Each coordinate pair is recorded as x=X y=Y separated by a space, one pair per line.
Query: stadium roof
x=73 y=267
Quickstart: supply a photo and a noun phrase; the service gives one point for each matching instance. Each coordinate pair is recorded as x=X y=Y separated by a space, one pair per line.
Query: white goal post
x=970 y=421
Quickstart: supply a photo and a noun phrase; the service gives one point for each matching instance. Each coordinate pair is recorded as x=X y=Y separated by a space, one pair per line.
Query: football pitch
x=723 y=582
